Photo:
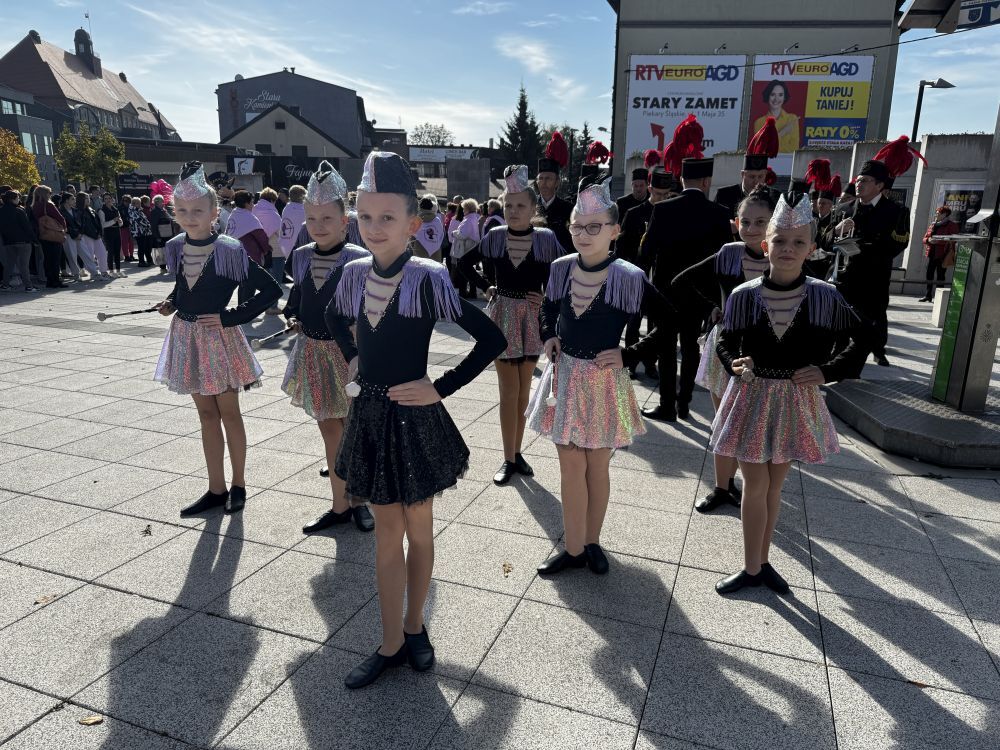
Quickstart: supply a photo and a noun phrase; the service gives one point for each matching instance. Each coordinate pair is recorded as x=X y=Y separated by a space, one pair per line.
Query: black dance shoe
x=633 y=374
x=205 y=502
x=710 y=502
x=773 y=579
x=372 y=668
x=597 y=561
x=882 y=360
x=325 y=471
x=419 y=650
x=506 y=472
x=735 y=582
x=736 y=493
x=363 y=518
x=559 y=563
x=651 y=372
x=328 y=519
x=522 y=466
x=660 y=413
x=237 y=499
x=683 y=412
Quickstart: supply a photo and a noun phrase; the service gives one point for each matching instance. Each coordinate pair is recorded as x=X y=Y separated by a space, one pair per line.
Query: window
x=11 y=108
x=279 y=124
x=264 y=148
x=29 y=142
x=47 y=145
x=300 y=152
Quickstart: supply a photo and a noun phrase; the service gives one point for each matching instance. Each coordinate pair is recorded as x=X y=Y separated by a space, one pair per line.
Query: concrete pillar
x=468 y=177
x=840 y=161
x=726 y=170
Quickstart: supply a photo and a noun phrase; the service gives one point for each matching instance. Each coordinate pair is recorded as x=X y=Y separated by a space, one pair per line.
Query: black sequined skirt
x=399 y=454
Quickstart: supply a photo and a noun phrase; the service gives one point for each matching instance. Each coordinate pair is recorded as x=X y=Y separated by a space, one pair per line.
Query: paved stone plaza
x=237 y=632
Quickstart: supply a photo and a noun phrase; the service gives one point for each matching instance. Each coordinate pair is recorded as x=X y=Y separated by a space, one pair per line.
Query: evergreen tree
x=522 y=140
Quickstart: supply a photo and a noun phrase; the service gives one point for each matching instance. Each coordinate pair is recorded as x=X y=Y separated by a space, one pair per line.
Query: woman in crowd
x=51 y=233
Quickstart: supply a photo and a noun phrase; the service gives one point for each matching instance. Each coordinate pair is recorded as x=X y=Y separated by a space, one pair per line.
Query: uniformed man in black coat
x=661 y=187
x=551 y=207
x=820 y=263
x=638 y=196
x=682 y=231
x=882 y=230
x=754 y=173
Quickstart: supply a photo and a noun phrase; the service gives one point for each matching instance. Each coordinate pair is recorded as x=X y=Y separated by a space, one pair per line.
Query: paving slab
x=604 y=673
x=67 y=645
x=116 y=443
x=978 y=586
x=899 y=576
x=65 y=403
x=40 y=469
x=494 y=560
x=62 y=729
x=265 y=468
x=874 y=713
x=164 y=503
x=191 y=569
x=867 y=523
x=754 y=618
x=654 y=741
x=643 y=532
x=300 y=713
x=15 y=419
x=963 y=538
x=728 y=697
x=55 y=432
x=25 y=590
x=303 y=595
x=21 y=707
x=460 y=641
x=27 y=518
x=123 y=412
x=838 y=483
x=300 y=439
x=182 y=455
x=966 y=498
x=10 y=452
x=905 y=643
x=486 y=720
x=272 y=517
x=635 y=590
x=199 y=680
x=520 y=507
x=669 y=460
x=107 y=486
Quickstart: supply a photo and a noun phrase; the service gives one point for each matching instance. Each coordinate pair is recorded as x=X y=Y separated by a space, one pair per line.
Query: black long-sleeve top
x=90 y=225
x=226 y=267
x=395 y=351
x=625 y=291
x=697 y=290
x=15 y=227
x=306 y=303
x=822 y=317
x=531 y=275
x=72 y=222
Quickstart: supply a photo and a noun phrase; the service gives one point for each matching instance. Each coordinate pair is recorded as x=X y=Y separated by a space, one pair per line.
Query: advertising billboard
x=817 y=103
x=664 y=89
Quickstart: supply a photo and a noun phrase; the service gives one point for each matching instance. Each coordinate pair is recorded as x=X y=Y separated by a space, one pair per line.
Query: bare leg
x=756 y=482
x=212 y=441
x=725 y=466
x=777 y=474
x=390 y=573
x=573 y=492
x=419 y=562
x=507 y=378
x=598 y=491
x=236 y=434
x=525 y=370
x=332 y=430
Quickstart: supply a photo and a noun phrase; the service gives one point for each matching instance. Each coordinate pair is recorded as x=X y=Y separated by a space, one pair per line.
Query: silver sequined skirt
x=195 y=359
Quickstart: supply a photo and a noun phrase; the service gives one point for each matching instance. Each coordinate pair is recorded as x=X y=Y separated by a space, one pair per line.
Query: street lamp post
x=940 y=83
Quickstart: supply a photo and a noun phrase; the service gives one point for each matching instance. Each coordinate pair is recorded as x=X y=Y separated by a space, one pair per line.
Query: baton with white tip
x=256 y=344
x=101 y=316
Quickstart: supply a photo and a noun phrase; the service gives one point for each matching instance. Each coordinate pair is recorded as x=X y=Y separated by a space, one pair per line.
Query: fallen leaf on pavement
x=89 y=721
x=507 y=569
x=46 y=599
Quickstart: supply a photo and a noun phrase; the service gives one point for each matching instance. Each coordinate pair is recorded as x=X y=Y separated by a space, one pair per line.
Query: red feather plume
x=818 y=174
x=597 y=153
x=765 y=140
x=771 y=178
x=557 y=150
x=687 y=144
x=835 y=186
x=651 y=158
x=898 y=156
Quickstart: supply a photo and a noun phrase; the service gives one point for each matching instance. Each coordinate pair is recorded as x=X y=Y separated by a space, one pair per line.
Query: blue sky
x=457 y=62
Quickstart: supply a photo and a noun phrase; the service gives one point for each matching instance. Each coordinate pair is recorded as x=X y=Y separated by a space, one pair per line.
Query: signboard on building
x=438 y=154
x=975 y=13
x=664 y=89
x=278 y=171
x=963 y=198
x=817 y=103
x=133 y=184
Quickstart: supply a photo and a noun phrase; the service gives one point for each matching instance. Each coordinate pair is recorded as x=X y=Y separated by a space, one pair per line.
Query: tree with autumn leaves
x=17 y=165
x=94 y=159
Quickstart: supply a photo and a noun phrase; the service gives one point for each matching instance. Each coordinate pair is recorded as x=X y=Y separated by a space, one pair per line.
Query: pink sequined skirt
x=595 y=407
x=518 y=320
x=770 y=420
x=711 y=374
x=195 y=359
x=315 y=378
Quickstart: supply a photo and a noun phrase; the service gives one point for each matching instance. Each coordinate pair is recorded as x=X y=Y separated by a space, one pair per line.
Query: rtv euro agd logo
x=686 y=72
x=787 y=68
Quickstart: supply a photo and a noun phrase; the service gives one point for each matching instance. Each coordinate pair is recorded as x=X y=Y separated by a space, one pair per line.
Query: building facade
x=19 y=115
x=77 y=88
x=336 y=111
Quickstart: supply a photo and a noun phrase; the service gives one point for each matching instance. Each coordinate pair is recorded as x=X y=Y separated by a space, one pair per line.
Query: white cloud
x=536 y=24
x=69 y=3
x=481 y=8
x=537 y=58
